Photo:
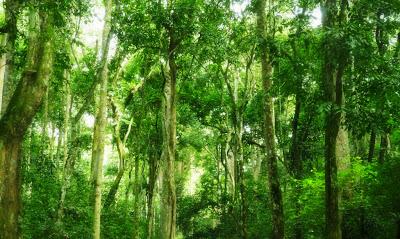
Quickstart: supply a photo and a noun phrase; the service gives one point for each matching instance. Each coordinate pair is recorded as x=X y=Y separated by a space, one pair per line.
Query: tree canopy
x=199 y=119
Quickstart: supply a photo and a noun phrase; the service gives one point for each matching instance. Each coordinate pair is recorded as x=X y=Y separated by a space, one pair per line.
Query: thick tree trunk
x=278 y=228
x=335 y=60
x=168 y=198
x=10 y=203
x=22 y=108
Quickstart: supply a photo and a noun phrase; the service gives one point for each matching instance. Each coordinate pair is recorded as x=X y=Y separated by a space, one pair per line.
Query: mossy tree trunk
x=19 y=114
x=278 y=228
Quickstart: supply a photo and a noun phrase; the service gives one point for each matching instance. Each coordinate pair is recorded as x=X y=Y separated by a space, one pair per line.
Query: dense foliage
x=150 y=119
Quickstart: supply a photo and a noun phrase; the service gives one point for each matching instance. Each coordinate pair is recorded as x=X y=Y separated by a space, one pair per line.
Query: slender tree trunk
x=295 y=154
x=3 y=61
x=153 y=167
x=383 y=147
x=67 y=164
x=51 y=143
x=240 y=187
x=11 y=8
x=278 y=228
x=121 y=153
x=296 y=167
x=74 y=144
x=121 y=169
x=136 y=192
x=99 y=135
x=22 y=108
x=168 y=197
x=371 y=145
x=114 y=188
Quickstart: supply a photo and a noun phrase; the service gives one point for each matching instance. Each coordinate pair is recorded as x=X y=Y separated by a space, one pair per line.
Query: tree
x=19 y=114
x=269 y=125
x=335 y=62
x=99 y=134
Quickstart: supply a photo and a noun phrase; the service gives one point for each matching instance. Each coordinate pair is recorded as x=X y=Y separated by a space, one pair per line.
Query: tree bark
x=168 y=198
x=67 y=164
x=154 y=155
x=99 y=134
x=295 y=154
x=335 y=60
x=11 y=8
x=371 y=149
x=3 y=61
x=136 y=192
x=296 y=166
x=278 y=228
x=383 y=148
x=23 y=106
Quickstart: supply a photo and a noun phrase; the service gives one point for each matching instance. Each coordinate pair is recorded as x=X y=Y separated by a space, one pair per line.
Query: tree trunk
x=372 y=145
x=114 y=188
x=99 y=134
x=153 y=168
x=22 y=108
x=296 y=167
x=121 y=155
x=383 y=148
x=278 y=228
x=295 y=154
x=168 y=198
x=3 y=60
x=67 y=164
x=10 y=184
x=136 y=192
x=121 y=152
x=335 y=60
x=11 y=8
